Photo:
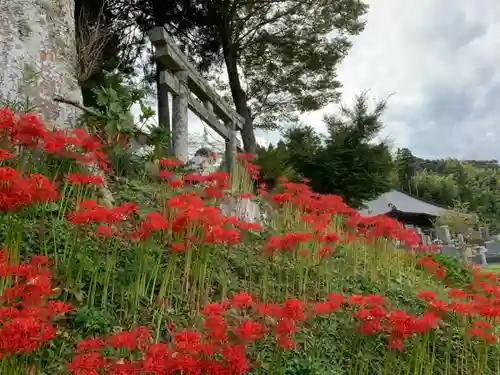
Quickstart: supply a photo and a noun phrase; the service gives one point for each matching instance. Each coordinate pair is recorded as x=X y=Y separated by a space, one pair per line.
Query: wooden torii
x=191 y=91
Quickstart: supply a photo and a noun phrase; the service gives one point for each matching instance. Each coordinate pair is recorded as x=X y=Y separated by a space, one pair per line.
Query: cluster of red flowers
x=218 y=347
x=398 y=325
x=432 y=266
x=479 y=300
x=253 y=169
x=229 y=327
x=320 y=210
x=25 y=314
x=109 y=220
x=18 y=191
x=27 y=130
x=187 y=211
x=84 y=179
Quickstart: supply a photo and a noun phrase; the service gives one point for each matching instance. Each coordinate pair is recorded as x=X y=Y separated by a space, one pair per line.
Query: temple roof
x=395 y=200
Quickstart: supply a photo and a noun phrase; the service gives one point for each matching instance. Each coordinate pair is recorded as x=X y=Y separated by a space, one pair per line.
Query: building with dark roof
x=405 y=208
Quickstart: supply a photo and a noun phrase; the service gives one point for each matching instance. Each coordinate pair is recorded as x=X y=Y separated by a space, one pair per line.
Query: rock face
x=37 y=41
x=245 y=209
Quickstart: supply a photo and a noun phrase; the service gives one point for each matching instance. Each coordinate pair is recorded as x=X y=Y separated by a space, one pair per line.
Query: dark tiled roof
x=396 y=200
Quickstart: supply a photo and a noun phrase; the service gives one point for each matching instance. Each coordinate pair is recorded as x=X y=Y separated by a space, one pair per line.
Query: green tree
x=406 y=168
x=273 y=163
x=348 y=162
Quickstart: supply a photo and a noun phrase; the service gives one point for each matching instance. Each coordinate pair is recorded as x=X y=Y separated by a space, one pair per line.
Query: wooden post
x=230 y=148
x=180 y=118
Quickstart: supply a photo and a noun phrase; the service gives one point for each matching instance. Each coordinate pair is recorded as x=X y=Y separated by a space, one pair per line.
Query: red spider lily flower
x=105 y=231
x=286 y=342
x=170 y=162
x=245 y=156
x=213 y=309
x=241 y=300
x=397 y=344
x=26 y=318
x=86 y=363
x=5 y=155
x=234 y=356
x=156 y=221
x=269 y=309
x=285 y=326
x=176 y=183
x=356 y=300
x=83 y=179
x=250 y=330
x=7 y=118
x=335 y=299
x=428 y=295
x=456 y=293
x=293 y=309
x=90 y=345
x=178 y=247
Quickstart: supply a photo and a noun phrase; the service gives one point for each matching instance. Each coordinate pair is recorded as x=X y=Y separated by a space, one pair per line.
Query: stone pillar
x=427 y=239
x=443 y=233
x=482 y=256
x=180 y=118
x=230 y=147
x=163 y=107
x=485 y=233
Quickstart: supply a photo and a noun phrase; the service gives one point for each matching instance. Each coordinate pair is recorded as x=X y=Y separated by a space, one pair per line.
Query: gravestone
x=443 y=233
x=203 y=162
x=485 y=233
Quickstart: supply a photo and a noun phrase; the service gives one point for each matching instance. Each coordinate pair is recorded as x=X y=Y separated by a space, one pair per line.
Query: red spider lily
x=26 y=315
x=91 y=212
x=5 y=155
x=18 y=191
x=83 y=179
x=428 y=295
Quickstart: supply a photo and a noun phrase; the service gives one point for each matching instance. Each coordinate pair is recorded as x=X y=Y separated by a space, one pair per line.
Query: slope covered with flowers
x=166 y=284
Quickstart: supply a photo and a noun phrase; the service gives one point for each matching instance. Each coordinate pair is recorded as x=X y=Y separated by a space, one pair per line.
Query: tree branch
x=73 y=103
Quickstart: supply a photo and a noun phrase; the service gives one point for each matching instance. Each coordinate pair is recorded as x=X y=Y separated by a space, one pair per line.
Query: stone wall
x=37 y=37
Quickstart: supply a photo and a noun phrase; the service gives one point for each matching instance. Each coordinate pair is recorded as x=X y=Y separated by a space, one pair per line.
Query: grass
x=492 y=268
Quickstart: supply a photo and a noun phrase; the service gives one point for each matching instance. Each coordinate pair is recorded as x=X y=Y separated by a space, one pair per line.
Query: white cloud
x=438 y=58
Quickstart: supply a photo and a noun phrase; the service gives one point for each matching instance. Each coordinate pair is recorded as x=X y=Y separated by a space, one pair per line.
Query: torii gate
x=182 y=79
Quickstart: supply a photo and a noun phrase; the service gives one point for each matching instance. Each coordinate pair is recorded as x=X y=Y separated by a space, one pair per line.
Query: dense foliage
x=472 y=185
x=346 y=162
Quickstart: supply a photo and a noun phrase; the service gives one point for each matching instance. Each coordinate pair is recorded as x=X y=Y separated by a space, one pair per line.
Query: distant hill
x=436 y=165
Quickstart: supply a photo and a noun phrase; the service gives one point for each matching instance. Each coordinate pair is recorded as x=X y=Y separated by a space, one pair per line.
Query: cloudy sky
x=441 y=60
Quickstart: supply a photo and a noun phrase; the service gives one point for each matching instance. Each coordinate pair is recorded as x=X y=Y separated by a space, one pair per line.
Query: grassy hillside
x=163 y=283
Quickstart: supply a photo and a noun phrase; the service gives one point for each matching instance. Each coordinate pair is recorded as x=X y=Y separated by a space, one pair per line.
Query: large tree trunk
x=37 y=38
x=240 y=100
